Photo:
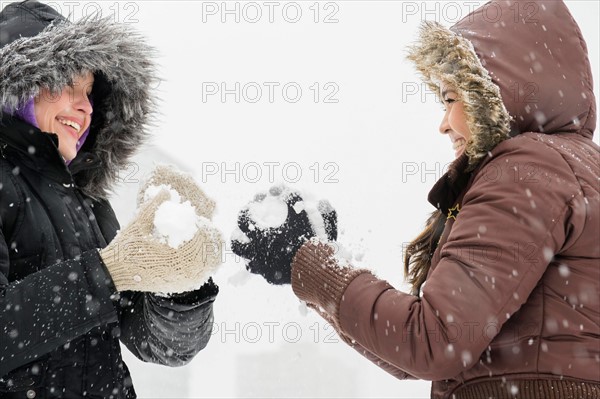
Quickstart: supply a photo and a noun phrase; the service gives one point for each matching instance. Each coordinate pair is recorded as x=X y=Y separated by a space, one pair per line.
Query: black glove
x=270 y=251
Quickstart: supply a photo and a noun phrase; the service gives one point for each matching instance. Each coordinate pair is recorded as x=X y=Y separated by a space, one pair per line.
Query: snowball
x=152 y=191
x=175 y=223
x=270 y=212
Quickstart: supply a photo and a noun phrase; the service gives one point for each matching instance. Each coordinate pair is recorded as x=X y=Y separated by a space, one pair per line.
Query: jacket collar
x=39 y=151
x=446 y=192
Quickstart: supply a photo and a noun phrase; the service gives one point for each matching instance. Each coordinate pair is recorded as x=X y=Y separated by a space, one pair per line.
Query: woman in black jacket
x=74 y=104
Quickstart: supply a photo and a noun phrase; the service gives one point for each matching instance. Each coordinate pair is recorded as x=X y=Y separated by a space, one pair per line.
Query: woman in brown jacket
x=506 y=275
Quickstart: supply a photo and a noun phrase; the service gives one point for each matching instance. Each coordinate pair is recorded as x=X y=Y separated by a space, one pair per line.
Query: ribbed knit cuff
x=118 y=273
x=565 y=388
x=319 y=279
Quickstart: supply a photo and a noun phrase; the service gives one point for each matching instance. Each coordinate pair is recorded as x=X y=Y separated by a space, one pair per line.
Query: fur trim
x=442 y=55
x=111 y=50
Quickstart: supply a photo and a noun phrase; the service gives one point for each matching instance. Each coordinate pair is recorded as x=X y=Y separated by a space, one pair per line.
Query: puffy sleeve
x=164 y=330
x=497 y=252
x=168 y=330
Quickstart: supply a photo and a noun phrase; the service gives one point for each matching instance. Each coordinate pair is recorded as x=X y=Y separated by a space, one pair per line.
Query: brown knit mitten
x=138 y=261
x=183 y=183
x=320 y=280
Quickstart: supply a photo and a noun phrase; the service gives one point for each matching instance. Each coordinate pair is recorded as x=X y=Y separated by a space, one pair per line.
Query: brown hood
x=520 y=67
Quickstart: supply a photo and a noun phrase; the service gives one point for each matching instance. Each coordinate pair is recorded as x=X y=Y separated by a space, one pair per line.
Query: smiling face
x=454 y=123
x=67 y=114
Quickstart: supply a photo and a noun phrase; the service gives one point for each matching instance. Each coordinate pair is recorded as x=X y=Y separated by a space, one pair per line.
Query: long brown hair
x=419 y=253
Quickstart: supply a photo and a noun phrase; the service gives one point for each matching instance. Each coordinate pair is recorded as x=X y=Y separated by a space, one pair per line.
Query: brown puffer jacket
x=511 y=305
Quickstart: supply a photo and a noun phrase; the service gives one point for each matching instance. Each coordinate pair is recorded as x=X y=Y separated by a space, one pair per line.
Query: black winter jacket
x=61 y=317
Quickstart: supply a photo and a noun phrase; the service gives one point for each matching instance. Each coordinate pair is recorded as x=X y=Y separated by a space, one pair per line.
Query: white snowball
x=175 y=223
x=152 y=191
x=270 y=212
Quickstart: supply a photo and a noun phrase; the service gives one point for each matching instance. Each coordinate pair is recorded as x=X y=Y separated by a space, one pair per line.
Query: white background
x=377 y=150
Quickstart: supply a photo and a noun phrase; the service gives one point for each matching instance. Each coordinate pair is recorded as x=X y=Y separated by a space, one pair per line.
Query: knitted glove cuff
x=118 y=273
x=319 y=279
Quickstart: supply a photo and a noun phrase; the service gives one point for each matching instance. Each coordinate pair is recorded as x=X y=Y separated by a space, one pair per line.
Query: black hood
x=41 y=48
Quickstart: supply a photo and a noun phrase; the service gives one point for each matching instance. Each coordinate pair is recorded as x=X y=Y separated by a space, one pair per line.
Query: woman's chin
x=68 y=156
x=459 y=152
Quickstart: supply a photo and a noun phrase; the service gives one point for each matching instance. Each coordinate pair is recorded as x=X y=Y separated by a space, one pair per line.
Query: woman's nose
x=445 y=126
x=84 y=104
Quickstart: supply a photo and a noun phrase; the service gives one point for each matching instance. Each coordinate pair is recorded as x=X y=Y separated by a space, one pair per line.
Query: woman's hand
x=183 y=183
x=271 y=249
x=138 y=261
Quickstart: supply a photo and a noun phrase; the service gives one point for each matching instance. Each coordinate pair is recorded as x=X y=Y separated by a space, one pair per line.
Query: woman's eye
x=447 y=101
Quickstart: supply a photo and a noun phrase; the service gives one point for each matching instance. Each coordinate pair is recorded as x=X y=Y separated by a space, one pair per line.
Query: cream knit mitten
x=181 y=182
x=137 y=260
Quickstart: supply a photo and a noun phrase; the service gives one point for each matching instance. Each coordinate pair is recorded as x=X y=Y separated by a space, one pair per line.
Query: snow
x=153 y=190
x=238 y=235
x=175 y=220
x=175 y=223
x=240 y=278
x=316 y=220
x=564 y=270
x=269 y=212
x=371 y=135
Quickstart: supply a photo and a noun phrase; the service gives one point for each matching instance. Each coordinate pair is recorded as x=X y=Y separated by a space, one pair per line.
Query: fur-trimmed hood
x=53 y=50
x=519 y=67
